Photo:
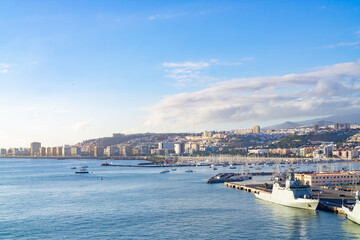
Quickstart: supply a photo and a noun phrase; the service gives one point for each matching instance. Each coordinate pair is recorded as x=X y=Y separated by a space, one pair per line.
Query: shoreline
x=146 y=158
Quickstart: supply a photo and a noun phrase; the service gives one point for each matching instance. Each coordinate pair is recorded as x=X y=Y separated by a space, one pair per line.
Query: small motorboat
x=82 y=170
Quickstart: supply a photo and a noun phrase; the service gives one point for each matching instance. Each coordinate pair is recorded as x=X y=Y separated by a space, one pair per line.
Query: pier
x=251 y=187
x=330 y=200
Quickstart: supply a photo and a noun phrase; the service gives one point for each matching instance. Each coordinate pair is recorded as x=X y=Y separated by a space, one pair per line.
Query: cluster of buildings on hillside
x=321 y=151
x=212 y=142
x=329 y=178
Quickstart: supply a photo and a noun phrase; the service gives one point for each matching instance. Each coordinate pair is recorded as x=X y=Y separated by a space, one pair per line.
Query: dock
x=251 y=187
x=330 y=200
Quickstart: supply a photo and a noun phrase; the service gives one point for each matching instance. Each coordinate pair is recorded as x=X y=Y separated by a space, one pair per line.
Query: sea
x=45 y=199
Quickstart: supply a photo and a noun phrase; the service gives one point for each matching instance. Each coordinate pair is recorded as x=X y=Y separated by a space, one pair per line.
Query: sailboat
x=246 y=175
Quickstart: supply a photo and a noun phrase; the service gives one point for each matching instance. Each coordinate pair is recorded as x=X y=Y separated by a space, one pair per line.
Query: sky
x=76 y=70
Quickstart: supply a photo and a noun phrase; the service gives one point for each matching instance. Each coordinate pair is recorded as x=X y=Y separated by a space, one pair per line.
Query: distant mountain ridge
x=346 y=118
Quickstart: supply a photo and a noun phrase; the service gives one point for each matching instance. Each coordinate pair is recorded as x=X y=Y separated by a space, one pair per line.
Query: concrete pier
x=330 y=200
x=251 y=187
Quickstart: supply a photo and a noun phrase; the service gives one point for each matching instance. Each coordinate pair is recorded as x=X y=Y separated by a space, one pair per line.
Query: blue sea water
x=45 y=199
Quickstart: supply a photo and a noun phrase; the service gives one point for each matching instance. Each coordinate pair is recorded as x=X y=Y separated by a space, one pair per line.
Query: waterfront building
x=191 y=148
x=75 y=151
x=306 y=151
x=144 y=150
x=35 y=148
x=166 y=145
x=54 y=151
x=349 y=154
x=59 y=151
x=98 y=151
x=258 y=151
x=280 y=151
x=169 y=152
x=112 y=151
x=160 y=152
x=195 y=147
x=42 y=151
x=135 y=151
x=126 y=151
x=66 y=151
x=22 y=152
x=49 y=151
x=12 y=151
x=329 y=178
x=153 y=151
x=2 y=152
x=179 y=148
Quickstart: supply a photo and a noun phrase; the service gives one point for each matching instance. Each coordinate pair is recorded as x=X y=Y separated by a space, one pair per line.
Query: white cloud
x=4 y=67
x=327 y=90
x=186 y=73
x=343 y=44
x=192 y=65
x=167 y=16
x=153 y=17
x=81 y=126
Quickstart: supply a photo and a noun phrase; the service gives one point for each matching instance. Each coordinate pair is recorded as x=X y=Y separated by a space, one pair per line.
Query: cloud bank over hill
x=326 y=90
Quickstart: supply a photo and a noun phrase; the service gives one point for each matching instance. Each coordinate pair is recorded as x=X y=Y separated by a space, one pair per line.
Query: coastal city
x=333 y=141
x=181 y=119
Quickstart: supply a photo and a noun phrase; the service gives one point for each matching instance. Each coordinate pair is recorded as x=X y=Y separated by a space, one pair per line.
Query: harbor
x=135 y=195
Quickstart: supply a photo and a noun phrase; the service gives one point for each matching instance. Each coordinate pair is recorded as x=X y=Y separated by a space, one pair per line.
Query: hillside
x=295 y=141
x=109 y=141
x=346 y=118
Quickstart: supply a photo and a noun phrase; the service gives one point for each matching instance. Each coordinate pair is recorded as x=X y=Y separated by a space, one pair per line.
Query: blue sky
x=73 y=70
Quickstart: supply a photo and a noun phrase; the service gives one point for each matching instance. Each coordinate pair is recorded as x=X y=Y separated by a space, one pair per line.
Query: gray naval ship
x=353 y=212
x=293 y=194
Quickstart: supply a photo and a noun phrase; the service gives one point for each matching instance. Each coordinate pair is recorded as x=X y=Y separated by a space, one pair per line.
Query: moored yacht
x=293 y=194
x=353 y=212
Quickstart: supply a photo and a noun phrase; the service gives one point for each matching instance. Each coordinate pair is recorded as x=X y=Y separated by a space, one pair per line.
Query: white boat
x=82 y=170
x=165 y=171
x=293 y=194
x=353 y=212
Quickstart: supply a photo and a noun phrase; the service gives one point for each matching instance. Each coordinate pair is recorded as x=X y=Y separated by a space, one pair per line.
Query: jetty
x=331 y=200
